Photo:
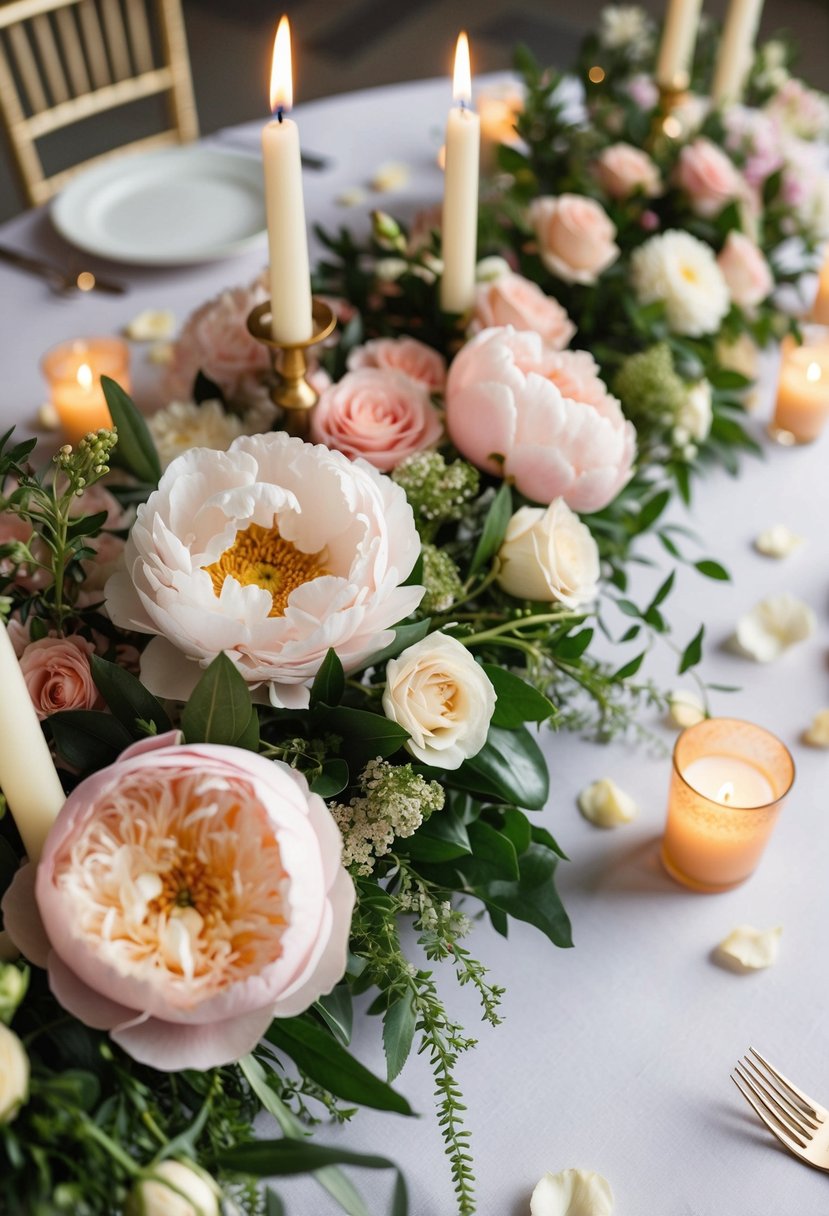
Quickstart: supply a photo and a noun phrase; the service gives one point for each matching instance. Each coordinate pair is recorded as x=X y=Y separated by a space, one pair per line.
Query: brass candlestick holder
x=291 y=390
x=667 y=123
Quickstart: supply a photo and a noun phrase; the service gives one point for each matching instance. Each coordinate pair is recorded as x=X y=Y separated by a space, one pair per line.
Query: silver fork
x=799 y=1122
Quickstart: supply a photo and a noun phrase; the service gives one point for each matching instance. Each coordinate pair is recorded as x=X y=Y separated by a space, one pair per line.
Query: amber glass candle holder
x=728 y=784
x=802 y=404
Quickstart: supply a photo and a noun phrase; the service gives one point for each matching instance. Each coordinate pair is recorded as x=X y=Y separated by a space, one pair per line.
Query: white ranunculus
x=548 y=554
x=183 y=425
x=173 y=1188
x=272 y=552
x=572 y=1193
x=437 y=692
x=695 y=415
x=14 y=1074
x=682 y=272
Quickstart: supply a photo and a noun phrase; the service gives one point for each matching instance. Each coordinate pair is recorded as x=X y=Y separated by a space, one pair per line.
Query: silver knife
x=64 y=280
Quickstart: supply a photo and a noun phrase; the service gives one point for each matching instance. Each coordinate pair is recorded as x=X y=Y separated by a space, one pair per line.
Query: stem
x=115 y=1151
x=498 y=630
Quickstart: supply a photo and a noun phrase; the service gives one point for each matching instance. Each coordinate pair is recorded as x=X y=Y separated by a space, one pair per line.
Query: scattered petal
x=161 y=353
x=685 y=708
x=817 y=735
x=604 y=804
x=48 y=417
x=393 y=175
x=778 y=541
x=352 y=196
x=749 y=949
x=572 y=1193
x=150 y=325
x=772 y=626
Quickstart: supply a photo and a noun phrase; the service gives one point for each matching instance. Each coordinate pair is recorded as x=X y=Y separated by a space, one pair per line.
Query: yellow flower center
x=689 y=274
x=261 y=557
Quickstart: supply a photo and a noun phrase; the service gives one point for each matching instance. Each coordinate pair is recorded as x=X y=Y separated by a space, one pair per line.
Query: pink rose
x=642 y=91
x=507 y=415
x=188 y=895
x=514 y=300
x=575 y=237
x=623 y=170
x=708 y=177
x=382 y=416
x=58 y=676
x=406 y=355
x=745 y=270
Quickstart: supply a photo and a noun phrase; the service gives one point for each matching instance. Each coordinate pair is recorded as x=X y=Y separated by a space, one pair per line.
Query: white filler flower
x=14 y=1074
x=749 y=949
x=183 y=425
x=572 y=1193
x=773 y=626
x=681 y=271
x=173 y=1188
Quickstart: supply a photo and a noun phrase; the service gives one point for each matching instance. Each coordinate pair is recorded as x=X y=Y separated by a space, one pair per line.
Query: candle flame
x=462 y=78
x=813 y=373
x=84 y=376
x=282 y=83
x=725 y=793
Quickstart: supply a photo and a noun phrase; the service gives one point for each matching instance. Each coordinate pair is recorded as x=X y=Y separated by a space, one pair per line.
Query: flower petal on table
x=772 y=626
x=749 y=949
x=572 y=1193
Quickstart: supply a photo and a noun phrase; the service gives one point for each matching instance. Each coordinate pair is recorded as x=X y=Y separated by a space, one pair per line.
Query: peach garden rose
x=405 y=355
x=575 y=235
x=510 y=299
x=383 y=416
x=746 y=272
x=58 y=675
x=623 y=170
x=708 y=176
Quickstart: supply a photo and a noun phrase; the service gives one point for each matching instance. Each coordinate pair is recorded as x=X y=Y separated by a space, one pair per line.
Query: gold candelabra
x=291 y=391
x=667 y=123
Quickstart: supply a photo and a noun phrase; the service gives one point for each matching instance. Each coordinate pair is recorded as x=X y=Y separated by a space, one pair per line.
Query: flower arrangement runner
x=270 y=702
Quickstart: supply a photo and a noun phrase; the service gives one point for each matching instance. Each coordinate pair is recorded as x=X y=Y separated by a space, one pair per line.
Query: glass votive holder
x=802 y=405
x=728 y=783
x=73 y=372
x=820 y=307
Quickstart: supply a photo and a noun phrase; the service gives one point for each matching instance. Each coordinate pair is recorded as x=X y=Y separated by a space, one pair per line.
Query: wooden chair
x=66 y=61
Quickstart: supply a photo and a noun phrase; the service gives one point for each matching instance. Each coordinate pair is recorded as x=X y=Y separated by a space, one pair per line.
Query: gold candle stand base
x=666 y=123
x=291 y=391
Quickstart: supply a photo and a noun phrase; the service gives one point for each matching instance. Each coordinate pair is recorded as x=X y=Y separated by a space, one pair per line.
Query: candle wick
x=280 y=114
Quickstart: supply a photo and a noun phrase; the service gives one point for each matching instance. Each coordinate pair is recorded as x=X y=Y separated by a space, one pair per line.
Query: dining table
x=614 y=1055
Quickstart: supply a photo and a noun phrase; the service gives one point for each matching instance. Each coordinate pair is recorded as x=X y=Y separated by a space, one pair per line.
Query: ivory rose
x=513 y=300
x=437 y=692
x=174 y=1188
x=549 y=555
x=575 y=237
x=507 y=415
x=746 y=272
x=383 y=416
x=188 y=894
x=623 y=170
x=14 y=1074
x=272 y=552
x=405 y=355
x=58 y=675
x=708 y=176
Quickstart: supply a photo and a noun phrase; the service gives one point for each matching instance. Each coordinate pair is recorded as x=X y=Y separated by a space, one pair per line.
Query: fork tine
x=759 y=1088
x=774 y=1091
x=786 y=1138
x=797 y=1094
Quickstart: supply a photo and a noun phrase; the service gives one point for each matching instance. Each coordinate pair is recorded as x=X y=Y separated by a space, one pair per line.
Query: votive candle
x=802 y=404
x=820 y=308
x=73 y=372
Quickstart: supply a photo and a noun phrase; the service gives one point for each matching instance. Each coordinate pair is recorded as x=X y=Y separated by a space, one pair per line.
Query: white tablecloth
x=615 y=1055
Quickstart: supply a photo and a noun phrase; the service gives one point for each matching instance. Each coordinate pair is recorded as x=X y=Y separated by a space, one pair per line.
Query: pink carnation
x=575 y=237
x=513 y=300
x=623 y=170
x=507 y=414
x=382 y=416
x=708 y=177
x=58 y=676
x=746 y=272
x=405 y=355
x=188 y=895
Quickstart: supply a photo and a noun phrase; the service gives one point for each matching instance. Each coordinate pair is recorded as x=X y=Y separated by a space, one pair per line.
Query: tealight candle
x=820 y=308
x=728 y=784
x=73 y=372
x=803 y=388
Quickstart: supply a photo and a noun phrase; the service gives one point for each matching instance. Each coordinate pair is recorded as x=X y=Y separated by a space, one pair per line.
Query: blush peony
x=58 y=675
x=575 y=237
x=682 y=272
x=507 y=415
x=272 y=552
x=188 y=895
x=382 y=416
x=510 y=299
x=405 y=355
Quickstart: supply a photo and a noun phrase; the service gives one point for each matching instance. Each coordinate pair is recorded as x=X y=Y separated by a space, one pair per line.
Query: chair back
x=66 y=63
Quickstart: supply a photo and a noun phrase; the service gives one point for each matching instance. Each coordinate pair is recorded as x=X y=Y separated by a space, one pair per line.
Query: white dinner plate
x=167 y=208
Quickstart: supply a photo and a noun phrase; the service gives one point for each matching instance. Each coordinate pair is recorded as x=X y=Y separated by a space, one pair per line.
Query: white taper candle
x=734 y=57
x=460 y=191
x=676 y=51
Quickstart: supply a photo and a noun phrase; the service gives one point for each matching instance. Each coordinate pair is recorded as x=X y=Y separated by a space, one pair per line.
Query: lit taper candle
x=28 y=778
x=290 y=277
x=676 y=51
x=460 y=197
x=734 y=58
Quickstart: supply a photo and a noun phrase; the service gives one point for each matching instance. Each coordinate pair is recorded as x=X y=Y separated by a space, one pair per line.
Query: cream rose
x=708 y=176
x=575 y=237
x=58 y=675
x=549 y=555
x=174 y=1188
x=623 y=170
x=437 y=692
x=14 y=1074
x=513 y=300
x=746 y=272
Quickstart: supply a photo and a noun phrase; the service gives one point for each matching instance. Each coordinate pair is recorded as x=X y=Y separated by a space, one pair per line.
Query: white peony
x=173 y=1188
x=437 y=692
x=681 y=271
x=572 y=1193
x=14 y=1074
x=183 y=425
x=694 y=416
x=548 y=554
x=272 y=552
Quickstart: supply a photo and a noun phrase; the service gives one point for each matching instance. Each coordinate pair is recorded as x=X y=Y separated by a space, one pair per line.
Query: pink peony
x=380 y=415
x=708 y=177
x=513 y=300
x=58 y=676
x=575 y=373
x=575 y=237
x=746 y=272
x=507 y=415
x=405 y=355
x=623 y=170
x=188 y=895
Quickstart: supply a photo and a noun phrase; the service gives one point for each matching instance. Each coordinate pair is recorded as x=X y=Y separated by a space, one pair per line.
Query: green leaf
x=573 y=646
x=337 y=1011
x=692 y=652
x=88 y=739
x=629 y=669
x=332 y=780
x=663 y=592
x=518 y=702
x=249 y=738
x=127 y=698
x=404 y=635
x=399 y=1025
x=533 y=898
x=273 y=1204
x=712 y=569
x=365 y=734
x=205 y=389
x=219 y=709
x=493 y=856
x=511 y=762
x=329 y=682
x=323 y=1059
x=651 y=511
x=281 y=1158
x=494 y=530
x=135 y=449
x=517 y=828
x=442 y=838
